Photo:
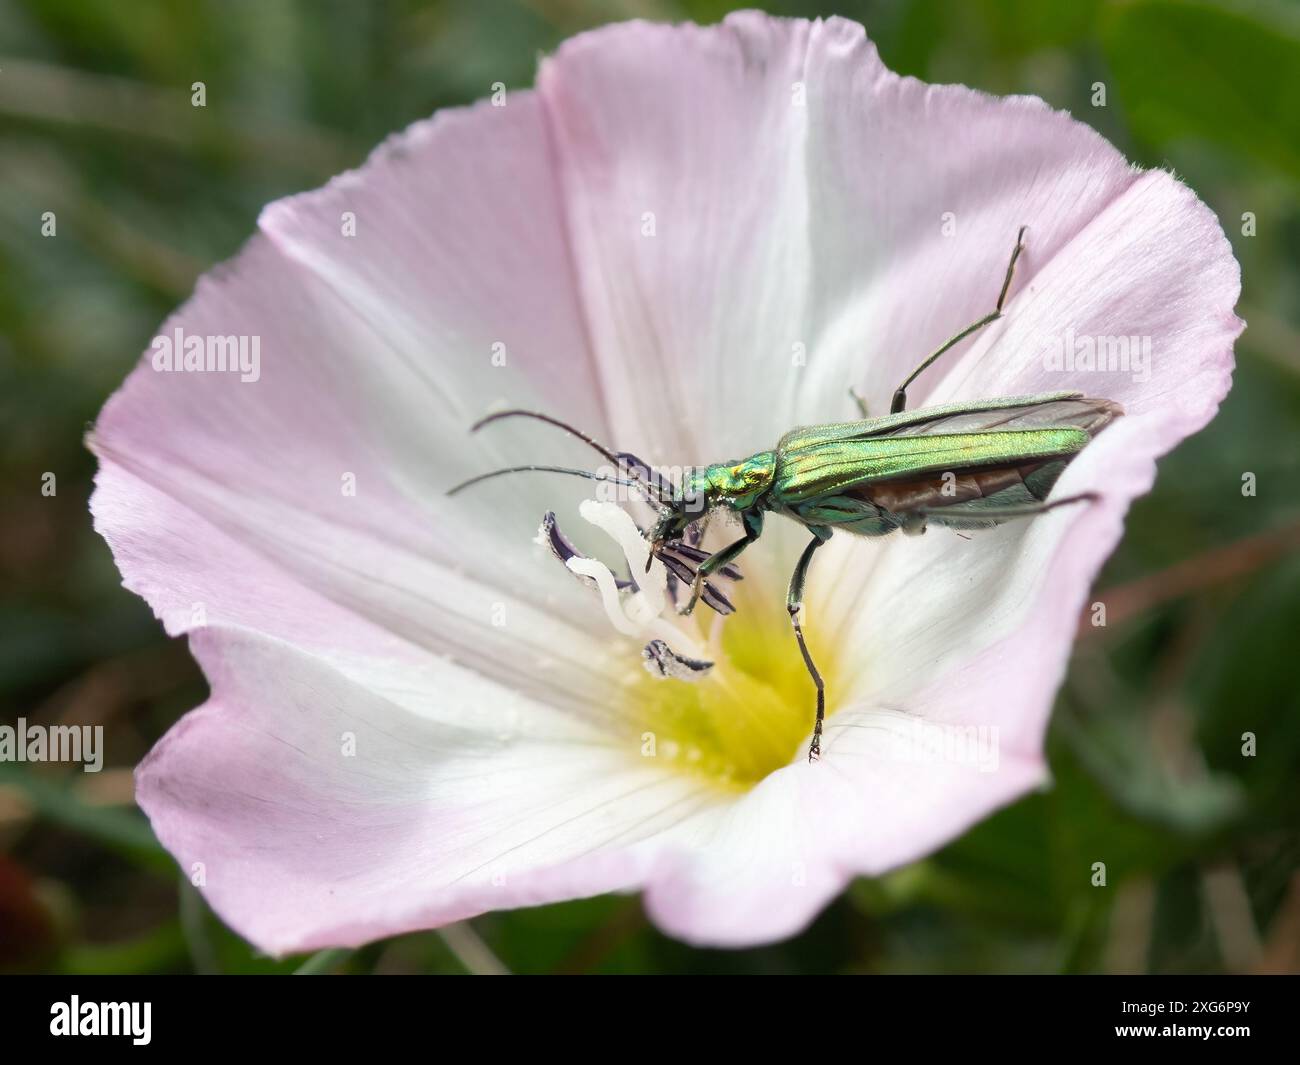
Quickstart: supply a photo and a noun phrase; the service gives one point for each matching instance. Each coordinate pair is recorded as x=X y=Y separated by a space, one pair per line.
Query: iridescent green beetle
x=963 y=466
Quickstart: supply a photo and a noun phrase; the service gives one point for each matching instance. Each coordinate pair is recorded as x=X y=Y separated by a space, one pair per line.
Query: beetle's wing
x=1053 y=411
x=831 y=467
x=986 y=414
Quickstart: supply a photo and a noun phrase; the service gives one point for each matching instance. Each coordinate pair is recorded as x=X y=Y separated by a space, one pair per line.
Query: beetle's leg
x=794 y=604
x=900 y=396
x=1028 y=510
x=753 y=529
x=861 y=403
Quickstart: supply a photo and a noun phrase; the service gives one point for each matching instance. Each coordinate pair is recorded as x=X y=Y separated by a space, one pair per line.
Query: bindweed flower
x=686 y=241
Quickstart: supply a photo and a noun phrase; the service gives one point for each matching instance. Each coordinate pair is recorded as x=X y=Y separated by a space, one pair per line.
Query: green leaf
x=1190 y=70
x=323 y=962
x=159 y=950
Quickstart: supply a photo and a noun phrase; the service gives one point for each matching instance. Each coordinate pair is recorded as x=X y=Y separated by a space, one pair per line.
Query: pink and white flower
x=685 y=240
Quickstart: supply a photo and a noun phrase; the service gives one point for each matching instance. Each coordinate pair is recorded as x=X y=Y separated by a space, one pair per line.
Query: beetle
x=961 y=465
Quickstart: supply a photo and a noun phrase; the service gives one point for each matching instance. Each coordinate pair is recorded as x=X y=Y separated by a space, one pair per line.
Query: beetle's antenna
x=549 y=421
x=639 y=469
x=549 y=469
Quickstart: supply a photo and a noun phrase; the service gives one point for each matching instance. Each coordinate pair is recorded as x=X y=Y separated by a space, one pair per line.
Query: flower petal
x=316 y=810
x=798 y=193
x=687 y=209
x=309 y=504
x=760 y=870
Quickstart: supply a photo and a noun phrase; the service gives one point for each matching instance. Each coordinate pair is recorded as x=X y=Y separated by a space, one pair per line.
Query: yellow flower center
x=754 y=712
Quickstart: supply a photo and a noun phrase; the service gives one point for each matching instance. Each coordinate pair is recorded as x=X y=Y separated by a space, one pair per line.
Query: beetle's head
x=690 y=501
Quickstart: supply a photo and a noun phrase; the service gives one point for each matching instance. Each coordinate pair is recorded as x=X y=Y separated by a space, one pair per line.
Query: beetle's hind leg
x=794 y=604
x=900 y=395
x=1007 y=513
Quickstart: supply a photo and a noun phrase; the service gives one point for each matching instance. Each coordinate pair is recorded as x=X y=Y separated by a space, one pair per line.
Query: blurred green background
x=1201 y=843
